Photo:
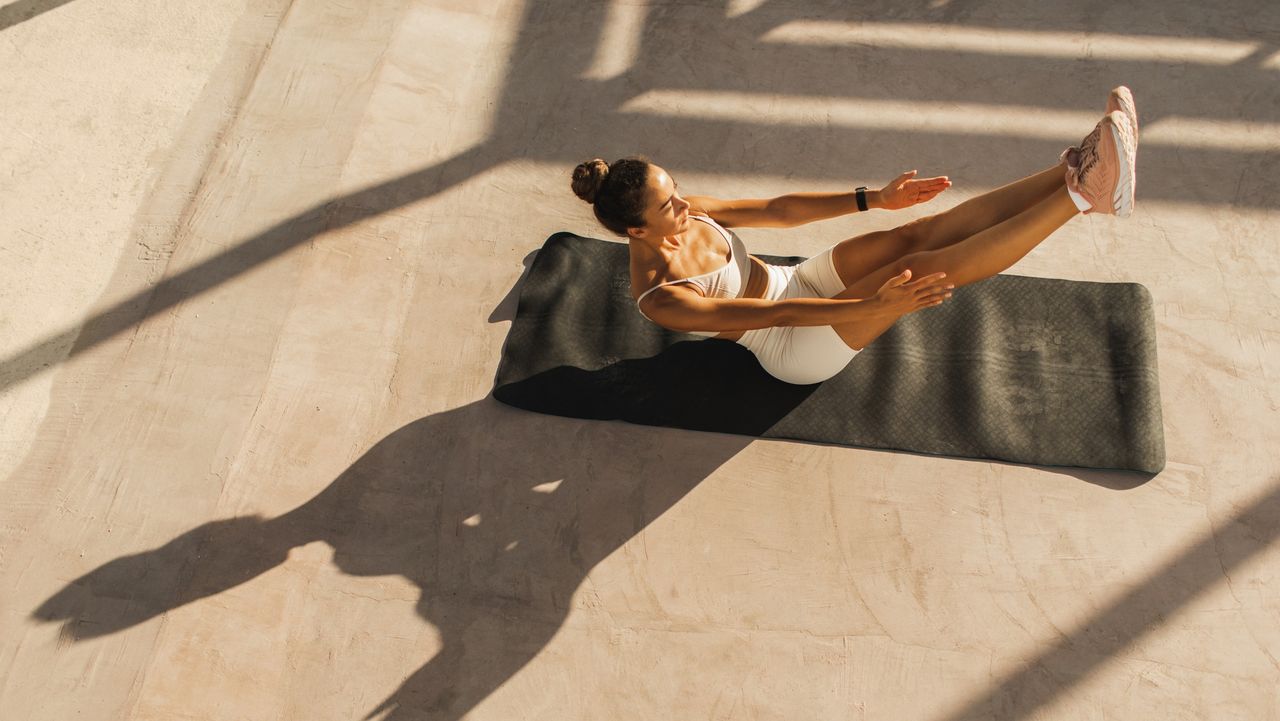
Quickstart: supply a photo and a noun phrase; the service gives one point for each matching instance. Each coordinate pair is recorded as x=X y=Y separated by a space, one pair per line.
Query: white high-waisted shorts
x=801 y=354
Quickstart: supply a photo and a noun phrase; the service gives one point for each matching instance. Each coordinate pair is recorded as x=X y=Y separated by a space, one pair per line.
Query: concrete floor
x=256 y=269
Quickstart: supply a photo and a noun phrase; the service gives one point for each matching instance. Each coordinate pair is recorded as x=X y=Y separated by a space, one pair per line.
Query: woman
x=805 y=323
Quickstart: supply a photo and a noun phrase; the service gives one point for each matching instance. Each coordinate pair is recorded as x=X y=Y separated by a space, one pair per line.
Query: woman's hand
x=897 y=297
x=906 y=190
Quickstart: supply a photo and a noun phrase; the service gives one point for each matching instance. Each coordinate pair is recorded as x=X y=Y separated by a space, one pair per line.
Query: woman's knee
x=915 y=236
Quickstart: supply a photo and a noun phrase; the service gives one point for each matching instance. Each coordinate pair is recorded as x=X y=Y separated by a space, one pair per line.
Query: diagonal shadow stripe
x=23 y=10
x=276 y=241
x=336 y=213
x=1074 y=659
x=523 y=117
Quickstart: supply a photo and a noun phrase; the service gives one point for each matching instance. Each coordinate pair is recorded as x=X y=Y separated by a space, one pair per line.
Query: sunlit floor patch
x=619 y=41
x=999 y=41
x=943 y=117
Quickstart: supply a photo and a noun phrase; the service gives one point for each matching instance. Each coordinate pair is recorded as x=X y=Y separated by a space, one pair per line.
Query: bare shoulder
x=653 y=271
x=745 y=212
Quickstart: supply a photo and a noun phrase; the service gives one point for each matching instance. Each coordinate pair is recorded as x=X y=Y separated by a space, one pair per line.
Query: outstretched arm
x=683 y=309
x=903 y=191
x=794 y=209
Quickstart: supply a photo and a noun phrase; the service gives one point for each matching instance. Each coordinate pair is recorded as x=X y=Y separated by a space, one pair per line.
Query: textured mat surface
x=1030 y=370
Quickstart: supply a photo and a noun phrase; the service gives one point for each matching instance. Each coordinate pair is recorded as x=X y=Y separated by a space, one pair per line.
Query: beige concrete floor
x=256 y=263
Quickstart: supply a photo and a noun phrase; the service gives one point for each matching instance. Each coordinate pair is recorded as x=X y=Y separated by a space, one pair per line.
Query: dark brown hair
x=616 y=192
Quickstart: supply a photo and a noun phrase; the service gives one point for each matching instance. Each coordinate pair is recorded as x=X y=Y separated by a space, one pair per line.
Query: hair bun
x=588 y=177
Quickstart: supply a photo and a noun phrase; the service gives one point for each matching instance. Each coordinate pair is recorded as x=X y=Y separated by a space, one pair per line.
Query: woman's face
x=666 y=213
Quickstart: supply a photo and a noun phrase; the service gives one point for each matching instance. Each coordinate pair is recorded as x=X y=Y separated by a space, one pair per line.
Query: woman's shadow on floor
x=496 y=514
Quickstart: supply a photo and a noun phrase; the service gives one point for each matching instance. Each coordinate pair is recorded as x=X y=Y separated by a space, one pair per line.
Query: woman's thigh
x=862 y=255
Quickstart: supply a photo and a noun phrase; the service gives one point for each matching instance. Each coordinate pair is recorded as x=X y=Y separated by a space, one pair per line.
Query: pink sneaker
x=1121 y=98
x=1103 y=169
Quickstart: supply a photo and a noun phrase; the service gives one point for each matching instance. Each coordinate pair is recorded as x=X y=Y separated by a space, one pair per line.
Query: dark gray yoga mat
x=1030 y=370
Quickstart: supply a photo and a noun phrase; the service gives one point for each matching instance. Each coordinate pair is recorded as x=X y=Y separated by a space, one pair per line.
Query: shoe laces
x=1089 y=151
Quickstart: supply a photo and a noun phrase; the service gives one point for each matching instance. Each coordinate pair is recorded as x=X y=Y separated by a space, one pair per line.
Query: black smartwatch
x=861 y=194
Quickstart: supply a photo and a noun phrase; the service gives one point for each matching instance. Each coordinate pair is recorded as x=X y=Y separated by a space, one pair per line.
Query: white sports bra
x=724 y=282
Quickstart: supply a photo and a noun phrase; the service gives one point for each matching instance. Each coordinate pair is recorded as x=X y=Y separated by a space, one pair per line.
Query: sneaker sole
x=1122 y=98
x=1122 y=197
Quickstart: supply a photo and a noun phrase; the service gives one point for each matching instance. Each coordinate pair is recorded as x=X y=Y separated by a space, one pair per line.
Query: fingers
x=941 y=181
x=926 y=292
x=935 y=188
x=931 y=290
x=924 y=189
x=901 y=180
x=928 y=280
x=895 y=282
x=931 y=299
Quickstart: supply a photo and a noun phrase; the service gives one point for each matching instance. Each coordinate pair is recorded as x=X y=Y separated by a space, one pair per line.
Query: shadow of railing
x=586 y=118
x=1204 y=564
x=23 y=10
